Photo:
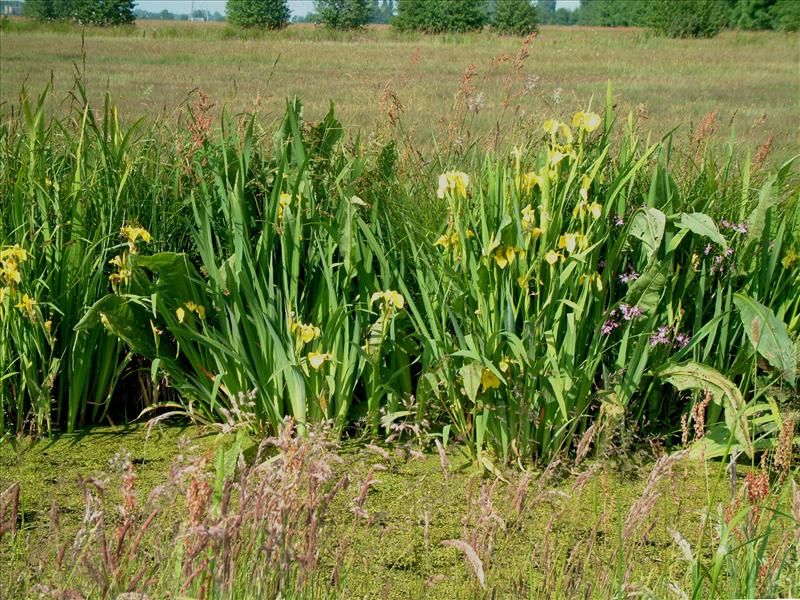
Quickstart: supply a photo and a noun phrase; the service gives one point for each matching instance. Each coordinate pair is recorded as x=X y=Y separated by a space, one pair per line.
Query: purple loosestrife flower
x=737 y=227
x=708 y=249
x=608 y=327
x=629 y=313
x=619 y=221
x=629 y=276
x=661 y=336
x=682 y=340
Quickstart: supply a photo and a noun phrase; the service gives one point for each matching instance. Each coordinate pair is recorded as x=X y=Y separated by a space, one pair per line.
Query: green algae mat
x=405 y=523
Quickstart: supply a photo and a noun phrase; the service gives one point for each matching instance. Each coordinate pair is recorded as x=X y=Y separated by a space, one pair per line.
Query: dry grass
x=751 y=78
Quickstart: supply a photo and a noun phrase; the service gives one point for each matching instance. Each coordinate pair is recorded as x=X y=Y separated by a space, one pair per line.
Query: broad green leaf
x=769 y=335
x=646 y=291
x=648 y=226
x=471 y=376
x=703 y=225
x=695 y=376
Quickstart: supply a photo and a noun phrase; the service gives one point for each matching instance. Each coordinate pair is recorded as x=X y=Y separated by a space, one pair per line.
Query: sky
x=299 y=7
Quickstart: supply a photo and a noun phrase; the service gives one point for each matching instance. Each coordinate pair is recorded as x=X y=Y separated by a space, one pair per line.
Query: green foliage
x=752 y=14
x=382 y=11
x=686 y=18
x=47 y=10
x=440 y=16
x=612 y=13
x=103 y=12
x=89 y=12
x=343 y=14
x=514 y=17
x=786 y=14
x=268 y=14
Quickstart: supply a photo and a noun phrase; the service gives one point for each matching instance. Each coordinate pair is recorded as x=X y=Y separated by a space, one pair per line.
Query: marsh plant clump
x=587 y=281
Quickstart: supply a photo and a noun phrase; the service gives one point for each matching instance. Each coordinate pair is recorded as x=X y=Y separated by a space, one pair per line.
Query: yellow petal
x=489 y=380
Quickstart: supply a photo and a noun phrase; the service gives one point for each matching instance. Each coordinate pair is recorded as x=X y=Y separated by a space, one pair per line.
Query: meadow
x=427 y=329
x=750 y=78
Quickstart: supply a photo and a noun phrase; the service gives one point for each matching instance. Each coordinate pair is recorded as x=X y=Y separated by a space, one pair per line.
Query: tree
x=343 y=14
x=165 y=15
x=564 y=16
x=786 y=14
x=752 y=14
x=266 y=14
x=102 y=12
x=613 y=13
x=439 y=16
x=382 y=11
x=515 y=17
x=686 y=18
x=46 y=10
x=546 y=10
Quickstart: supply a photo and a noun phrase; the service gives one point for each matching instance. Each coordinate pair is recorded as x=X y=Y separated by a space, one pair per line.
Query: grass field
x=751 y=78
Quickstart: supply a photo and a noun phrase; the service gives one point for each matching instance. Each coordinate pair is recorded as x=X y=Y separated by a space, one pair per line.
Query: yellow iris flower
x=132 y=234
x=316 y=359
x=554 y=127
x=453 y=181
x=391 y=300
x=284 y=201
x=587 y=121
x=27 y=303
x=306 y=332
x=551 y=257
x=192 y=307
x=531 y=180
x=593 y=278
x=489 y=380
x=572 y=241
x=504 y=256
x=790 y=258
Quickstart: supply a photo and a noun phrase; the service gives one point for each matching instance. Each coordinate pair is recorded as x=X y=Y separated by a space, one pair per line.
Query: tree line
x=675 y=18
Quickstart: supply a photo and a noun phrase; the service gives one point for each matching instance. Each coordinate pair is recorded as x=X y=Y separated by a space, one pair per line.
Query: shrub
x=515 y=17
x=343 y=14
x=686 y=18
x=269 y=14
x=439 y=16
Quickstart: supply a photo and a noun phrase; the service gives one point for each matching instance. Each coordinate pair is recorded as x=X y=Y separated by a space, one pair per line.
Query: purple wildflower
x=729 y=251
x=629 y=276
x=608 y=327
x=619 y=221
x=737 y=227
x=629 y=313
x=682 y=340
x=661 y=336
x=708 y=249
